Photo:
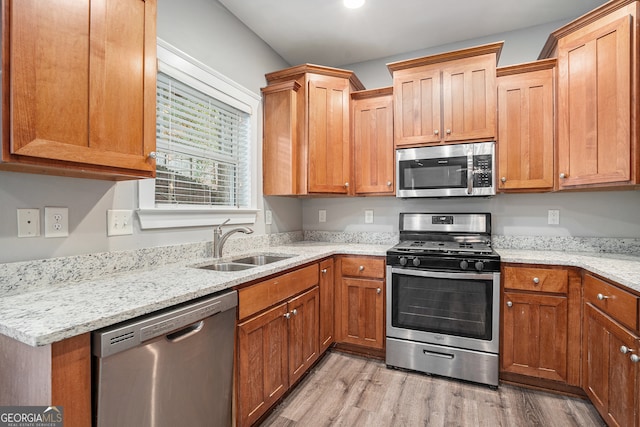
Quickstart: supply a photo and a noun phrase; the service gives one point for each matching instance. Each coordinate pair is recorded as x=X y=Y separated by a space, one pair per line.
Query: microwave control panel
x=482 y=170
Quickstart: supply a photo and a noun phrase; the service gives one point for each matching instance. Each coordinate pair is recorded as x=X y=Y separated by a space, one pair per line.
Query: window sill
x=177 y=218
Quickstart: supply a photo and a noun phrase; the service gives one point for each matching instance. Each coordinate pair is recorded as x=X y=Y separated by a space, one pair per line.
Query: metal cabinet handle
x=153 y=155
x=361 y=268
x=378 y=291
x=509 y=304
x=436 y=132
x=389 y=183
x=536 y=280
x=635 y=358
x=563 y=176
x=448 y=131
x=624 y=349
x=346 y=185
x=294 y=312
x=287 y=315
x=503 y=179
x=324 y=271
x=602 y=297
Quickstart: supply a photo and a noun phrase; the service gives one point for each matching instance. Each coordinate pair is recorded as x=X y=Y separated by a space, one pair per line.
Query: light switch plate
x=268 y=217
x=119 y=222
x=368 y=216
x=322 y=215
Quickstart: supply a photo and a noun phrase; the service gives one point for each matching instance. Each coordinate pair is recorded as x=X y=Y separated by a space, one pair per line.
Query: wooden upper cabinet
x=526 y=126
x=79 y=93
x=373 y=149
x=597 y=85
x=449 y=97
x=306 y=139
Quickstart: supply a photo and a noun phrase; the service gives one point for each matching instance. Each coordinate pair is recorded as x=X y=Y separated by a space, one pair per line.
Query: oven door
x=446 y=308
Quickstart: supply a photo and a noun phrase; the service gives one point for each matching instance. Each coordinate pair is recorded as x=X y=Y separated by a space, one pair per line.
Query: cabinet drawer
x=536 y=279
x=619 y=304
x=255 y=298
x=363 y=267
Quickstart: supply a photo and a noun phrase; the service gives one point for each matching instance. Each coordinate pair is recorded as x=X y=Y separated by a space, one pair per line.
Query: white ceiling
x=325 y=32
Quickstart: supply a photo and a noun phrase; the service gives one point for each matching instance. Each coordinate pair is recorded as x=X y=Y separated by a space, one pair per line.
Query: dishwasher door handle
x=185 y=333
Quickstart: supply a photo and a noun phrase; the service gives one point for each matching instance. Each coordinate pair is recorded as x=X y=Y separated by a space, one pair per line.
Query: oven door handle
x=443 y=274
x=470 y=171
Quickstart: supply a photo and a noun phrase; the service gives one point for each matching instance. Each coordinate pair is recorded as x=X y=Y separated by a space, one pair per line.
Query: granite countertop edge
x=45 y=316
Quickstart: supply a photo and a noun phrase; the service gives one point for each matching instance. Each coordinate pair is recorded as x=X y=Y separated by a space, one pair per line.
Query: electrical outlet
x=28 y=222
x=322 y=215
x=553 y=217
x=56 y=222
x=268 y=217
x=119 y=222
x=368 y=216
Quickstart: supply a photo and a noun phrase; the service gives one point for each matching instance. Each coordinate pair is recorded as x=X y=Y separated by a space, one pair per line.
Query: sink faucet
x=219 y=238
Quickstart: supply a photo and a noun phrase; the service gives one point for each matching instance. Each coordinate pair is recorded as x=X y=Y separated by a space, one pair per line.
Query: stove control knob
x=479 y=265
x=464 y=264
x=416 y=262
x=402 y=261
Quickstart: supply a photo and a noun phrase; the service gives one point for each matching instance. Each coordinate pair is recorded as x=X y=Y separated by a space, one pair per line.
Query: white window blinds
x=202 y=149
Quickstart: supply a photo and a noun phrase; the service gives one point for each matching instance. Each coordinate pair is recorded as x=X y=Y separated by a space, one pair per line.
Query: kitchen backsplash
x=19 y=277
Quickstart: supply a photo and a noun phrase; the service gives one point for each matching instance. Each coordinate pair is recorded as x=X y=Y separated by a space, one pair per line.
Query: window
x=205 y=147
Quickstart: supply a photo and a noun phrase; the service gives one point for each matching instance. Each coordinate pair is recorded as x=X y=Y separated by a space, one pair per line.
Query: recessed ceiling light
x=353 y=4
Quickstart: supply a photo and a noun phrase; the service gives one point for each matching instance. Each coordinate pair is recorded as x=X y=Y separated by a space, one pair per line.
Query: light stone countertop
x=46 y=315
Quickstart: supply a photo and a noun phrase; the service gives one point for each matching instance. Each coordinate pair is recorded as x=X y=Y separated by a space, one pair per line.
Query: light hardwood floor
x=345 y=390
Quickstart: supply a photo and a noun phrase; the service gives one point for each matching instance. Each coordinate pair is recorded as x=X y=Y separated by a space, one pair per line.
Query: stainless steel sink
x=261 y=259
x=227 y=266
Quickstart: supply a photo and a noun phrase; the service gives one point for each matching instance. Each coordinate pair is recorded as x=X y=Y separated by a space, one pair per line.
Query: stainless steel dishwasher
x=172 y=368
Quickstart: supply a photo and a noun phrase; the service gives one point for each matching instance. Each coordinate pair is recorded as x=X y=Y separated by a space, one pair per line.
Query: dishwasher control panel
x=117 y=338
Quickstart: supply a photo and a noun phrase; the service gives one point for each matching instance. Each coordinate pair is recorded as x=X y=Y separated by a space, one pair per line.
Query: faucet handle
x=219 y=227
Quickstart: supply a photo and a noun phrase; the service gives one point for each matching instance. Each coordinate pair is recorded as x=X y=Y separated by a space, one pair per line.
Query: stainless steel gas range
x=443 y=297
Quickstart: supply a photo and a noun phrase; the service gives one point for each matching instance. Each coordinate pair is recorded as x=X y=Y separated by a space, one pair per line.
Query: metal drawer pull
x=635 y=358
x=602 y=297
x=361 y=268
x=287 y=315
x=509 y=304
x=324 y=271
x=624 y=349
x=378 y=291
x=295 y=312
x=536 y=280
x=435 y=354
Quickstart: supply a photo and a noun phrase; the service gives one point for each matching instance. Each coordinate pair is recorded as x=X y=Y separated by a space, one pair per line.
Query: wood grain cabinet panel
x=327 y=303
x=307 y=126
x=373 y=149
x=448 y=97
x=597 y=83
x=303 y=333
x=541 y=326
x=360 y=302
x=526 y=126
x=79 y=92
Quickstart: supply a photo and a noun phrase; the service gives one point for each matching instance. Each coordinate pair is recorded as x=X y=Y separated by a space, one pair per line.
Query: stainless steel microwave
x=453 y=170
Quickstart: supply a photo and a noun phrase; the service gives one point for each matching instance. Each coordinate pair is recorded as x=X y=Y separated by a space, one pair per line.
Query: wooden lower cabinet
x=275 y=348
x=327 y=301
x=360 y=310
x=541 y=324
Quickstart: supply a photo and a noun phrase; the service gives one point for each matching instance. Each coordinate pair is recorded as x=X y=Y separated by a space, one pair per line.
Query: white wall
x=585 y=214
x=208 y=32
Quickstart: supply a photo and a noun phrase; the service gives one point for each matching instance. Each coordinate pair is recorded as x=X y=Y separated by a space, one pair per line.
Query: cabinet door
x=328 y=135
x=535 y=335
x=469 y=99
x=594 y=105
x=263 y=363
x=362 y=312
x=327 y=301
x=525 y=131
x=82 y=85
x=417 y=117
x=609 y=376
x=374 y=155
x=303 y=333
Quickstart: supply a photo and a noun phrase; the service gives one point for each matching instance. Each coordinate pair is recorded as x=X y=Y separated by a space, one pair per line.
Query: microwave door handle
x=470 y=171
